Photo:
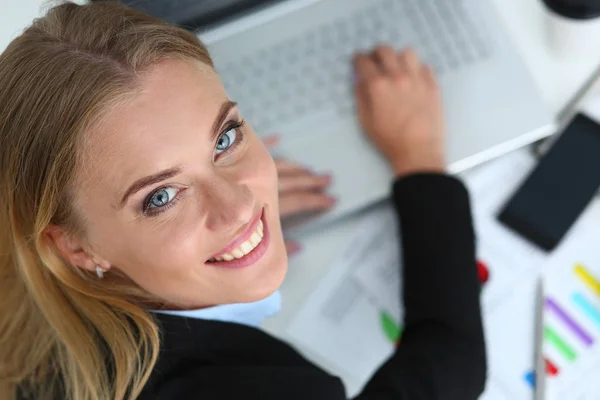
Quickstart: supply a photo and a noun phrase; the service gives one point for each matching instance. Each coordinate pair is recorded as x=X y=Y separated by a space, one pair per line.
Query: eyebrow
x=147 y=181
x=221 y=116
x=171 y=172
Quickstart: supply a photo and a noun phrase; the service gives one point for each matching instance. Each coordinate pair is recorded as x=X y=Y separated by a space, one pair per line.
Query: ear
x=73 y=250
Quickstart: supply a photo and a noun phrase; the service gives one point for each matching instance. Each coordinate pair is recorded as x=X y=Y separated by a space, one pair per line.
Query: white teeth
x=245 y=247
x=255 y=239
x=237 y=253
x=260 y=229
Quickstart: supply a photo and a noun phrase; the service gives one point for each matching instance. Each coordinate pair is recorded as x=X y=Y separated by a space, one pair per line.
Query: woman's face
x=180 y=195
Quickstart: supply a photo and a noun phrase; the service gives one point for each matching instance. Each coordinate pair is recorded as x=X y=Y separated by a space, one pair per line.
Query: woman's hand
x=400 y=108
x=301 y=191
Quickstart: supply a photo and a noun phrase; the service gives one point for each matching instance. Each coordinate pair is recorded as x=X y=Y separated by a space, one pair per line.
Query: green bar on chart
x=551 y=336
x=390 y=327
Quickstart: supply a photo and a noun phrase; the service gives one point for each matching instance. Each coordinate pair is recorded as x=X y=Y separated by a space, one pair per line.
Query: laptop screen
x=196 y=14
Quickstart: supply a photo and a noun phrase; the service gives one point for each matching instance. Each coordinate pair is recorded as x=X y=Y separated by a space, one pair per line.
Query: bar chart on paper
x=571 y=336
x=571 y=326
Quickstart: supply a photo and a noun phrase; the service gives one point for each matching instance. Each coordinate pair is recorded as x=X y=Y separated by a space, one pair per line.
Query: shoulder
x=201 y=357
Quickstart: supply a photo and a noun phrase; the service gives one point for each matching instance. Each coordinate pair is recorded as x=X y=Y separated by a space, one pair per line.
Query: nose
x=228 y=205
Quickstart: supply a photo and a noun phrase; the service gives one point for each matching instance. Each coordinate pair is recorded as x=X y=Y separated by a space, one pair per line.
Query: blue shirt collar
x=251 y=314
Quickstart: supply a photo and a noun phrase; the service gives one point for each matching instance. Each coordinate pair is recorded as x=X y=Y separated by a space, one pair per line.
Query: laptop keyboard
x=312 y=72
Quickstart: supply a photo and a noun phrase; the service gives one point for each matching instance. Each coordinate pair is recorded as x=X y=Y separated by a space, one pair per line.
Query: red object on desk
x=483 y=272
x=551 y=369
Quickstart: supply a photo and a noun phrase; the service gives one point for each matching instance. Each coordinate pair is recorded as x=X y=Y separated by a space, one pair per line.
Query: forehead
x=177 y=101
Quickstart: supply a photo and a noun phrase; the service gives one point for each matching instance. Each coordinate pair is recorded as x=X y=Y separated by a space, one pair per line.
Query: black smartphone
x=559 y=188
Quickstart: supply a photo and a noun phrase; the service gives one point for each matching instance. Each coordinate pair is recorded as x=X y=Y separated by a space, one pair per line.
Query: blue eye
x=162 y=197
x=226 y=140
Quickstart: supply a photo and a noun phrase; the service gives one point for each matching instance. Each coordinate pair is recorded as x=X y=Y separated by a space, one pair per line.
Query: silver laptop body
x=289 y=68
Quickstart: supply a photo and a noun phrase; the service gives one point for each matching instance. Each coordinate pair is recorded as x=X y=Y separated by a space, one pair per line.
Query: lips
x=247 y=248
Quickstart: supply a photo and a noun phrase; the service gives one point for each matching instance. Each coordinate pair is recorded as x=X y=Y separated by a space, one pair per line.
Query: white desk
x=558 y=79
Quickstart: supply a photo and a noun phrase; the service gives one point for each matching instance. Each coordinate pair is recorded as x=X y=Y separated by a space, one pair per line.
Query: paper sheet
x=377 y=264
x=340 y=323
x=351 y=317
x=572 y=344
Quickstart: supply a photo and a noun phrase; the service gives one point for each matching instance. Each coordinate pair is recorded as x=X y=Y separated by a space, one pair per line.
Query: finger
x=302 y=182
x=387 y=60
x=287 y=167
x=365 y=68
x=429 y=76
x=361 y=97
x=303 y=202
x=271 y=141
x=409 y=62
x=292 y=247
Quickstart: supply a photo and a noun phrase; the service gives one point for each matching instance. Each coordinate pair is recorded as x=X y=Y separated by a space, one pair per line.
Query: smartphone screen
x=560 y=187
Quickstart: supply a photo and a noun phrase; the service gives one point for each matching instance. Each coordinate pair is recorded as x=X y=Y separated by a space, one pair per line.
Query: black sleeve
x=442 y=350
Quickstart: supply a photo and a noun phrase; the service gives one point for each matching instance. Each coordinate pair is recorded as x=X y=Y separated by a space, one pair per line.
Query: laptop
x=288 y=65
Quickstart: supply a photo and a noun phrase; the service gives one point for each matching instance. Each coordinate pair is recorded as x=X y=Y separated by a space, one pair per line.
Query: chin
x=273 y=268
x=270 y=280
x=249 y=283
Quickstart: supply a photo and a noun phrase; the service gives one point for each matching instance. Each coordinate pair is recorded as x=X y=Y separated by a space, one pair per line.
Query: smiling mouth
x=244 y=248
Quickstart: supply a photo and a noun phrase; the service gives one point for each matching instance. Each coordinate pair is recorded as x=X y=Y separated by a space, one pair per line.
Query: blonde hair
x=64 y=333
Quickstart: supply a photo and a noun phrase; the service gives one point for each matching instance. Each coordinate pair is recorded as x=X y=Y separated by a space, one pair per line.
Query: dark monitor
x=196 y=14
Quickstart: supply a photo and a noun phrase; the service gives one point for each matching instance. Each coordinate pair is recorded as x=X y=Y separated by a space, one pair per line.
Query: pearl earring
x=99 y=272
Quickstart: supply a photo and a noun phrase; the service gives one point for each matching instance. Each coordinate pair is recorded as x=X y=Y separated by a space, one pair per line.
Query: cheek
x=148 y=248
x=182 y=242
x=158 y=250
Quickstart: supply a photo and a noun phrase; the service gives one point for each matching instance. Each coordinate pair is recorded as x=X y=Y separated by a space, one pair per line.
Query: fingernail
x=295 y=249
x=273 y=138
x=326 y=173
x=316 y=173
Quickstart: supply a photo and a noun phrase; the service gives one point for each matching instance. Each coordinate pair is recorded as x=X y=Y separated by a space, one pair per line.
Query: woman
x=130 y=183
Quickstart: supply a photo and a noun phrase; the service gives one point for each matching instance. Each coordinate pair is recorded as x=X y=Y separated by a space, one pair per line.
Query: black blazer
x=442 y=353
